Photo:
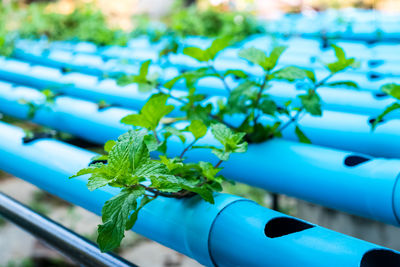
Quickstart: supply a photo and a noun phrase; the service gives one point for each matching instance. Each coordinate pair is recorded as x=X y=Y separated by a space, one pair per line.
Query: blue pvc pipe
x=96 y=65
x=89 y=87
x=313 y=173
x=212 y=234
x=334 y=129
x=76 y=84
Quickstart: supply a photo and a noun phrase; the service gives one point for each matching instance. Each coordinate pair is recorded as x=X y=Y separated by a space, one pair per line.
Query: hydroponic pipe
x=334 y=129
x=89 y=87
x=68 y=243
x=75 y=84
x=341 y=180
x=96 y=65
x=191 y=226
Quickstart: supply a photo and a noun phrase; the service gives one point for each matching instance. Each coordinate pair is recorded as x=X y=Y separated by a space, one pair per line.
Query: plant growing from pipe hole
x=249 y=99
x=128 y=165
x=393 y=90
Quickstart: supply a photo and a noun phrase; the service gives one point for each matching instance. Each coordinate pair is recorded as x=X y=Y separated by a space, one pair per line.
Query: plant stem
x=156 y=136
x=218 y=163
x=187 y=148
x=180 y=194
x=222 y=78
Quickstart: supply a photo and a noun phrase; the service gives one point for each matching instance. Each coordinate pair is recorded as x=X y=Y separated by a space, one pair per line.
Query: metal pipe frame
x=68 y=243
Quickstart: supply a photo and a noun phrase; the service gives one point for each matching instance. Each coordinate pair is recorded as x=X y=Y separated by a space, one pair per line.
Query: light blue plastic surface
x=229 y=232
x=305 y=171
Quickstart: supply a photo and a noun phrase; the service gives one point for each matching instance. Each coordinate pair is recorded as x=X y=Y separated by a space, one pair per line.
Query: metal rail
x=68 y=243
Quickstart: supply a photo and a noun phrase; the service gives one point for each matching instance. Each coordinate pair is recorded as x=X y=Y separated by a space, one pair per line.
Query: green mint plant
x=249 y=97
x=393 y=90
x=127 y=165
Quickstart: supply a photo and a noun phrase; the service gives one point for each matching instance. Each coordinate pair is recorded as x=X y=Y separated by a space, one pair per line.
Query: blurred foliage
x=212 y=23
x=6 y=39
x=85 y=23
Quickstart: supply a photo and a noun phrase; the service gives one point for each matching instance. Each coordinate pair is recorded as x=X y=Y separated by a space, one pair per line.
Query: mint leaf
x=349 y=84
x=274 y=57
x=236 y=73
x=143 y=80
x=311 y=103
x=254 y=55
x=232 y=142
x=115 y=215
x=342 y=62
x=259 y=57
x=208 y=170
x=197 y=128
x=290 y=73
x=388 y=110
x=196 y=53
x=170 y=131
x=218 y=45
x=132 y=220
x=152 y=112
x=301 y=136
x=268 y=106
x=109 y=145
x=211 y=52
x=392 y=89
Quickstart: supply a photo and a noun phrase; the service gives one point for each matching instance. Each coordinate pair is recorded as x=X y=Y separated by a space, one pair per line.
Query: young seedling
x=142 y=179
x=393 y=90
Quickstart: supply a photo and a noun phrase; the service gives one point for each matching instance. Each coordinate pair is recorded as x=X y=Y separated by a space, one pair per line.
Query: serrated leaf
x=208 y=170
x=115 y=215
x=232 y=142
x=132 y=220
x=171 y=164
x=311 y=103
x=151 y=113
x=197 y=128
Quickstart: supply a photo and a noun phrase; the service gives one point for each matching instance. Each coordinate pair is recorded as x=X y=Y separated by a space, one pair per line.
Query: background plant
x=393 y=90
x=248 y=107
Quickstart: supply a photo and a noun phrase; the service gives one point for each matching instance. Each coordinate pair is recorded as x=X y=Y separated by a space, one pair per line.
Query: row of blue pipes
x=333 y=178
x=232 y=232
x=96 y=89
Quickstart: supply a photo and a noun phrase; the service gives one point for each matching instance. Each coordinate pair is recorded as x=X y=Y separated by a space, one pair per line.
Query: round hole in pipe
x=375 y=62
x=284 y=226
x=354 y=160
x=380 y=95
x=374 y=76
x=372 y=121
x=380 y=257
